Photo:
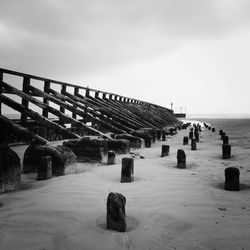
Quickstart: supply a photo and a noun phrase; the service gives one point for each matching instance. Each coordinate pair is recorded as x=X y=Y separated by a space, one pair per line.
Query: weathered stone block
x=135 y=141
x=116 y=215
x=181 y=159
x=232 y=176
x=121 y=146
x=10 y=169
x=44 y=170
x=88 y=149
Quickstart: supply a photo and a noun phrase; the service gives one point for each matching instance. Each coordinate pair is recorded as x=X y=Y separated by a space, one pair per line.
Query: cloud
x=86 y=36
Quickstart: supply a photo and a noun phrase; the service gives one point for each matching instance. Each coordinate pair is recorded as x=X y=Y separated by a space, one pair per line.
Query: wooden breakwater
x=54 y=110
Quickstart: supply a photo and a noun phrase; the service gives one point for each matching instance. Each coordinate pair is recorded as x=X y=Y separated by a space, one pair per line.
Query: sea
x=238 y=129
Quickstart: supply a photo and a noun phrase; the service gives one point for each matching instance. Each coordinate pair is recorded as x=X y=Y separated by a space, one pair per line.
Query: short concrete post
x=127 y=174
x=213 y=129
x=191 y=135
x=185 y=140
x=225 y=139
x=44 y=170
x=181 y=159
x=232 y=176
x=111 y=158
x=193 y=144
x=165 y=150
x=116 y=215
x=226 y=151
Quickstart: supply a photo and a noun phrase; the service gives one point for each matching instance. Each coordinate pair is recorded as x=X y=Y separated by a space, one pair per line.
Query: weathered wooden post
x=213 y=129
x=225 y=139
x=148 y=142
x=193 y=144
x=232 y=176
x=226 y=151
x=222 y=135
x=220 y=132
x=185 y=140
x=45 y=100
x=181 y=159
x=25 y=103
x=76 y=93
x=163 y=135
x=87 y=92
x=165 y=150
x=44 y=170
x=1 y=89
x=191 y=134
x=127 y=173
x=116 y=215
x=197 y=136
x=159 y=133
x=111 y=157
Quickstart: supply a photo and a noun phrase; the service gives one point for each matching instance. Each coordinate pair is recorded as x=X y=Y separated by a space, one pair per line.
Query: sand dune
x=167 y=208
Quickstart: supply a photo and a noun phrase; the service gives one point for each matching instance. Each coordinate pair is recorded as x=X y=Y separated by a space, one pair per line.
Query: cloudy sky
x=194 y=53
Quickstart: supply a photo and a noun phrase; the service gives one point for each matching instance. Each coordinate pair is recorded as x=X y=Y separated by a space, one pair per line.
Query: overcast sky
x=194 y=53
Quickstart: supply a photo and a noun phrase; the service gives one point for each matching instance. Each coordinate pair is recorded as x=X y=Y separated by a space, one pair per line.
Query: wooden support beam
x=45 y=100
x=37 y=117
x=63 y=117
x=19 y=131
x=76 y=92
x=1 y=89
x=25 y=102
x=96 y=94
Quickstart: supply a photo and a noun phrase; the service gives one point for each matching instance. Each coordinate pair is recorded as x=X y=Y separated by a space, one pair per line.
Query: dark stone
x=232 y=182
x=35 y=152
x=44 y=170
x=226 y=151
x=144 y=135
x=120 y=146
x=135 y=142
x=181 y=159
x=191 y=135
x=10 y=169
x=116 y=215
x=213 y=129
x=185 y=140
x=193 y=144
x=127 y=173
x=165 y=150
x=111 y=158
x=225 y=139
x=88 y=149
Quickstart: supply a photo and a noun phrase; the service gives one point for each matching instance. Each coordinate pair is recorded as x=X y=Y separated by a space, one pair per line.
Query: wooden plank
x=45 y=100
x=1 y=89
x=40 y=119
x=19 y=131
x=25 y=102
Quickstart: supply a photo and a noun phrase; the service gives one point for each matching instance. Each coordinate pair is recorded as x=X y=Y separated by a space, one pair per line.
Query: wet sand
x=167 y=208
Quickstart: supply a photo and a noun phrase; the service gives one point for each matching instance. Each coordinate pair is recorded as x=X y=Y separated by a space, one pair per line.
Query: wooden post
x=25 y=103
x=110 y=97
x=1 y=89
x=63 y=91
x=103 y=96
x=87 y=92
x=226 y=151
x=232 y=179
x=45 y=100
x=165 y=150
x=185 y=140
x=181 y=159
x=127 y=174
x=97 y=94
x=76 y=93
x=111 y=158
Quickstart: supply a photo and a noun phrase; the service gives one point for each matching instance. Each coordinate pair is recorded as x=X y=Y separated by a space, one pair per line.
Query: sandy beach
x=167 y=207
